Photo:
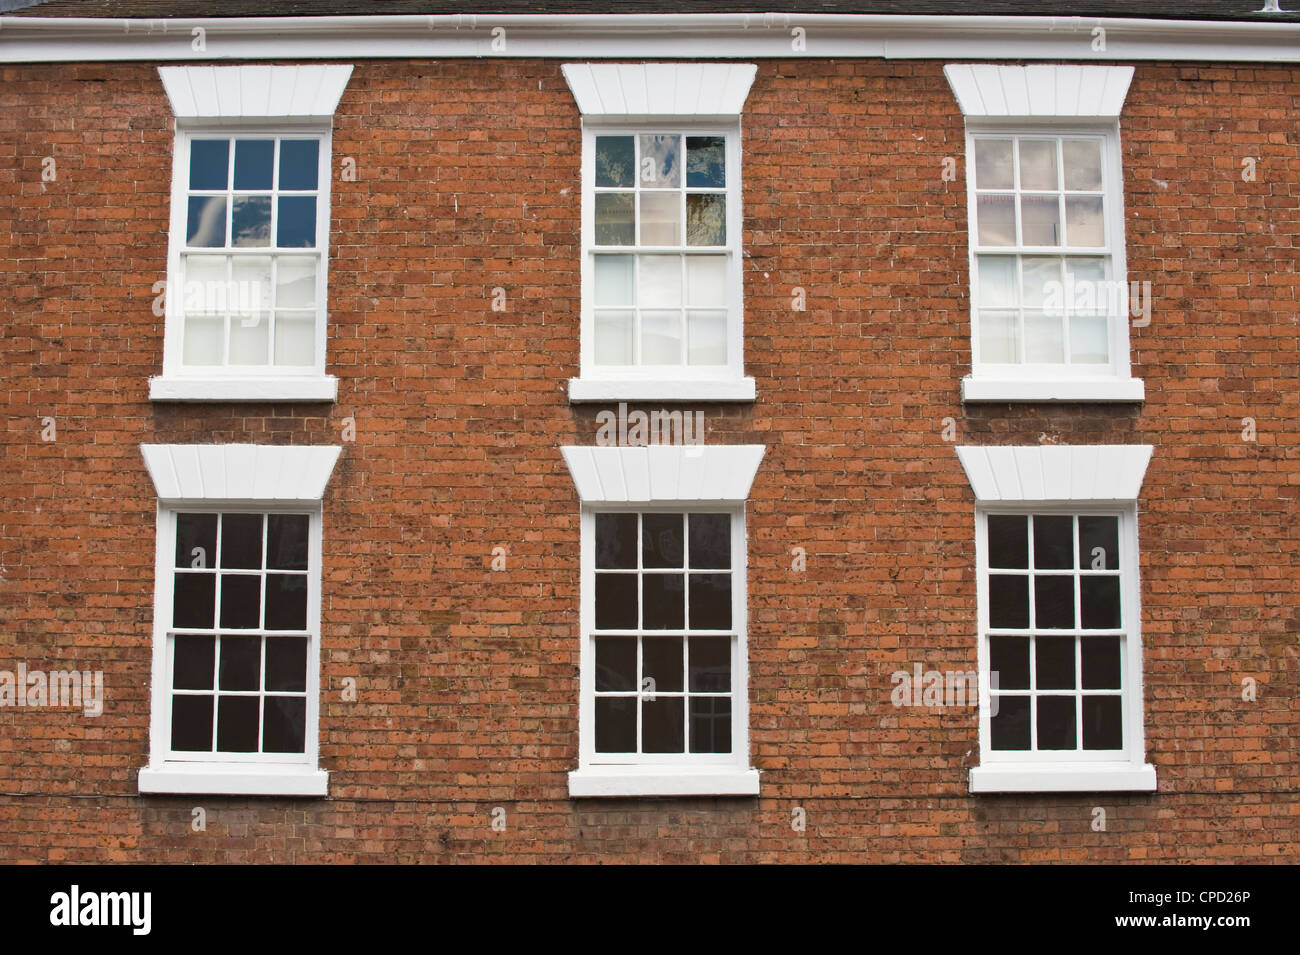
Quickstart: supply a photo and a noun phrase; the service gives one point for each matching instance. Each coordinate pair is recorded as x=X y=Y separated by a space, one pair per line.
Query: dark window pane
x=706 y=162
x=1054 y=602
x=616 y=724
x=250 y=223
x=1101 y=665
x=616 y=541
x=206 y=227
x=237 y=724
x=241 y=601
x=616 y=663
x=1103 y=722
x=286 y=663
x=285 y=727
x=663 y=725
x=1099 y=543
x=287 y=541
x=710 y=664
x=661 y=540
x=1008 y=541
x=253 y=163
x=710 y=541
x=296 y=226
x=1056 y=722
x=615 y=219
x=1008 y=601
x=1009 y=663
x=194 y=599
x=615 y=160
x=706 y=219
x=710 y=601
x=1053 y=542
x=241 y=663
x=299 y=163
x=286 y=602
x=661 y=661
x=616 y=601
x=710 y=724
x=192 y=723
x=192 y=662
x=196 y=530
x=209 y=163
x=1009 y=723
x=241 y=541
x=1054 y=663
x=664 y=602
x=1100 y=600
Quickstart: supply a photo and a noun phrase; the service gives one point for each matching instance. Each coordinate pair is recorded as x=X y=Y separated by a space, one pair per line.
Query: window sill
x=666 y=389
x=234 y=779
x=288 y=388
x=662 y=781
x=1065 y=778
x=975 y=389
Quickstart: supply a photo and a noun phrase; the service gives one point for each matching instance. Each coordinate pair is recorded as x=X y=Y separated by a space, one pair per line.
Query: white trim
x=1017 y=474
x=184 y=388
x=657 y=389
x=239 y=473
x=600 y=781
x=1062 y=779
x=720 y=35
x=246 y=780
x=1039 y=91
x=663 y=474
x=237 y=93
x=695 y=90
x=981 y=389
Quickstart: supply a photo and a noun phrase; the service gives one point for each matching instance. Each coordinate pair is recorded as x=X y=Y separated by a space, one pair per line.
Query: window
x=1050 y=296
x=246 y=290
x=1060 y=655
x=664 y=707
x=662 y=269
x=237 y=619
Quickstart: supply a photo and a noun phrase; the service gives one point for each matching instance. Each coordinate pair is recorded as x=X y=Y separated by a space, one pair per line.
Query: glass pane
x=1083 y=221
x=616 y=601
x=1084 y=271
x=1099 y=597
x=204 y=341
x=206 y=285
x=1041 y=283
x=660 y=280
x=194 y=659
x=996 y=216
x=237 y=719
x=615 y=219
x=1040 y=220
x=615 y=157
x=613 y=344
x=287 y=541
x=207 y=222
x=706 y=165
x=1088 y=340
x=299 y=163
x=251 y=222
x=661 y=662
x=241 y=663
x=286 y=663
x=710 y=664
x=1103 y=722
x=196 y=540
x=1008 y=601
x=710 y=541
x=616 y=663
x=192 y=723
x=193 y=600
x=1054 y=602
x=661 y=218
x=661 y=338
x=295 y=281
x=1056 y=722
x=241 y=541
x=614 y=279
x=710 y=724
x=616 y=541
x=661 y=160
x=209 y=163
x=250 y=285
x=295 y=339
x=661 y=540
x=241 y=601
x=1054 y=663
x=1008 y=540
x=296 y=226
x=665 y=601
x=993 y=169
x=706 y=219
x=997 y=332
x=286 y=602
x=249 y=337
x=1009 y=723
x=616 y=724
x=706 y=280
x=285 y=725
x=254 y=163
x=1099 y=543
x=706 y=338
x=1101 y=663
x=1038 y=164
x=1082 y=160
x=1009 y=660
x=663 y=725
x=1044 y=339
x=1053 y=542
x=997 y=281
x=710 y=601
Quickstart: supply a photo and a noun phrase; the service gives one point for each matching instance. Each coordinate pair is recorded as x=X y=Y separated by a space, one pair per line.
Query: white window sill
x=288 y=388
x=667 y=389
x=662 y=781
x=235 y=779
x=1065 y=778
x=975 y=389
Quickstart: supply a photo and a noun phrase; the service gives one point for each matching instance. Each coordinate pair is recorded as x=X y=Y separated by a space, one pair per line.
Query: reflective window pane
x=207 y=222
x=997 y=281
x=615 y=159
x=706 y=165
x=615 y=218
x=661 y=218
x=251 y=221
x=993 y=164
x=209 y=163
x=706 y=219
x=254 y=163
x=1038 y=164
x=1082 y=163
x=996 y=217
x=1083 y=221
x=296 y=223
x=661 y=161
x=1040 y=220
x=299 y=163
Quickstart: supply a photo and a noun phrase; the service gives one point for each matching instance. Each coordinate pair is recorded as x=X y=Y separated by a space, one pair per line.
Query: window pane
x=1053 y=542
x=1103 y=722
x=1083 y=220
x=1082 y=159
x=613 y=344
x=616 y=663
x=241 y=541
x=614 y=280
x=997 y=337
x=706 y=338
x=997 y=281
x=1008 y=540
x=194 y=598
x=1056 y=722
x=1054 y=602
x=706 y=165
x=1099 y=597
x=249 y=337
x=710 y=541
x=661 y=218
x=661 y=661
x=710 y=724
x=1041 y=283
x=207 y=288
x=1009 y=724
x=1054 y=663
x=209 y=163
x=295 y=281
x=663 y=725
x=193 y=662
x=192 y=723
x=706 y=280
x=996 y=218
x=661 y=338
x=251 y=222
x=296 y=225
x=615 y=219
x=710 y=664
x=237 y=718
x=615 y=157
x=241 y=601
x=1099 y=543
x=1101 y=663
x=665 y=601
x=1038 y=164
x=660 y=281
x=706 y=219
x=616 y=724
x=196 y=531
x=1089 y=343
x=286 y=663
x=616 y=601
x=250 y=292
x=1008 y=601
x=662 y=544
x=1044 y=339
x=661 y=160
x=253 y=163
x=286 y=602
x=616 y=541
x=286 y=547
x=207 y=222
x=285 y=729
x=710 y=601
x=1009 y=660
x=295 y=339
x=993 y=169
x=1040 y=220
x=241 y=663
x=299 y=163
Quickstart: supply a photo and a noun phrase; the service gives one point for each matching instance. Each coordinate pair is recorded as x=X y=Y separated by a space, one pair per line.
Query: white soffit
x=660 y=89
x=1041 y=91
x=663 y=473
x=235 y=93
x=1055 y=473
x=254 y=473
